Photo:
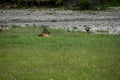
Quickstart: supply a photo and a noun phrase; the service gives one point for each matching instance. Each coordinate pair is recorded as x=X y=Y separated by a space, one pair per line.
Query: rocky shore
x=107 y=21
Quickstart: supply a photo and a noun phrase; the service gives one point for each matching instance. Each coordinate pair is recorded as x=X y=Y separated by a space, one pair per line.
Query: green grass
x=61 y=56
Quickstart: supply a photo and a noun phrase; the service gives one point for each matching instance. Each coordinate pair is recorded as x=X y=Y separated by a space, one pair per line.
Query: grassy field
x=61 y=56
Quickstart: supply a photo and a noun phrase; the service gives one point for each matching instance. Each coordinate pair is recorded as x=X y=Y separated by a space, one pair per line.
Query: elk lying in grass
x=44 y=33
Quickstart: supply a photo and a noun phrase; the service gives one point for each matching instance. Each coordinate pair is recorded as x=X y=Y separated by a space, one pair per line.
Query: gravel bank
x=107 y=21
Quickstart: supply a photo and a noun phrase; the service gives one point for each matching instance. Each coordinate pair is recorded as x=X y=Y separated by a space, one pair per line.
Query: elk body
x=44 y=33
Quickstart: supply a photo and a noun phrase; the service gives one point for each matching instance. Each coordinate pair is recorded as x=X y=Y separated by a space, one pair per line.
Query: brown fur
x=87 y=29
x=45 y=33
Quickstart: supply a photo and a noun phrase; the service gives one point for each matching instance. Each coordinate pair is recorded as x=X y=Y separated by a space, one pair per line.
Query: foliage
x=113 y=3
x=58 y=1
x=83 y=4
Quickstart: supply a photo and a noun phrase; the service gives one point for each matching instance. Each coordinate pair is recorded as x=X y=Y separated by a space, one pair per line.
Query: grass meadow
x=61 y=56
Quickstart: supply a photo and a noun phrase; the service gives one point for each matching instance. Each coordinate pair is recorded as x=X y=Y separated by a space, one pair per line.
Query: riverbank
x=107 y=21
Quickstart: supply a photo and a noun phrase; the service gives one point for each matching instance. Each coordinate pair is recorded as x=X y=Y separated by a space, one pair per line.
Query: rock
x=67 y=19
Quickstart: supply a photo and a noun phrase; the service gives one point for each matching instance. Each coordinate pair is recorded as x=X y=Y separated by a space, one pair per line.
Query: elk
x=44 y=33
x=87 y=28
x=1 y=28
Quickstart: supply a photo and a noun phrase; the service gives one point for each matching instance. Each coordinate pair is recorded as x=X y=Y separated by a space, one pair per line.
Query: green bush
x=58 y=1
x=85 y=4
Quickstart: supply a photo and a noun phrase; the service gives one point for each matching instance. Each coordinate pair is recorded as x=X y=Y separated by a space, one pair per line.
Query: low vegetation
x=67 y=4
x=61 y=56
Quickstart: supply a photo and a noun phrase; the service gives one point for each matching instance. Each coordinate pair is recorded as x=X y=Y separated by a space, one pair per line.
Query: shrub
x=85 y=4
x=58 y=1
